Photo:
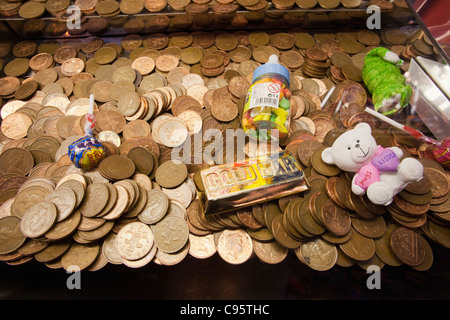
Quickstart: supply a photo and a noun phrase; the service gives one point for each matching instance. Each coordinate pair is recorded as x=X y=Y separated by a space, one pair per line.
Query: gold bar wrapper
x=227 y=187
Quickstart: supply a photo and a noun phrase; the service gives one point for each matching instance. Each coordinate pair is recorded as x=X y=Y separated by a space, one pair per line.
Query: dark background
x=214 y=279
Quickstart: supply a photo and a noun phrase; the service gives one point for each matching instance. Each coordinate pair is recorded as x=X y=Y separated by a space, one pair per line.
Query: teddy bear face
x=352 y=149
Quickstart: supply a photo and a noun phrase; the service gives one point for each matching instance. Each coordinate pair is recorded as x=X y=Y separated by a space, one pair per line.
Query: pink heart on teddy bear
x=367 y=175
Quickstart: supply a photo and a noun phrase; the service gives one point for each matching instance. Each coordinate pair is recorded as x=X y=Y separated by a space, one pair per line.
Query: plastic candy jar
x=267 y=106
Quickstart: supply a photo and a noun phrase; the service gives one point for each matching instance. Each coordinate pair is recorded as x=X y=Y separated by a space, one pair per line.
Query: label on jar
x=265 y=94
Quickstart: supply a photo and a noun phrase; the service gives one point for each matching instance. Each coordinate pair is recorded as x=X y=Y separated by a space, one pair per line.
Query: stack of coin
x=223 y=11
x=315 y=65
x=212 y=64
x=9 y=85
x=384 y=5
x=109 y=8
x=8 y=9
x=420 y=47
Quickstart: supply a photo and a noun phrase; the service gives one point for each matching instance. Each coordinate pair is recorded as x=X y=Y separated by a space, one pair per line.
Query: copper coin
x=316 y=53
x=26 y=90
x=8 y=85
x=410 y=208
x=136 y=128
x=64 y=53
x=81 y=255
x=212 y=60
x=110 y=120
x=407 y=246
x=320 y=166
x=171 y=174
x=358 y=247
x=24 y=49
x=307 y=221
x=142 y=159
x=156 y=41
x=247 y=218
x=440 y=185
x=16 y=160
x=282 y=41
x=11 y=238
x=340 y=59
x=416 y=198
x=38 y=219
x=306 y=149
x=117 y=167
x=238 y=86
x=349 y=45
x=443 y=207
x=352 y=72
x=370 y=228
x=354 y=93
x=166 y=62
x=330 y=188
x=72 y=66
x=41 y=61
x=15 y=126
x=96 y=198
x=281 y=235
x=368 y=38
x=304 y=40
x=185 y=102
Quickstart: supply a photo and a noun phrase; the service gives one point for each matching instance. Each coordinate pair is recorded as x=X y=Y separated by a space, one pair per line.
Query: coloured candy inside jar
x=267 y=106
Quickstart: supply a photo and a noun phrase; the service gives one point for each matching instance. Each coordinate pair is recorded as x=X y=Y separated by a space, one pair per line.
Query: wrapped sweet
x=87 y=152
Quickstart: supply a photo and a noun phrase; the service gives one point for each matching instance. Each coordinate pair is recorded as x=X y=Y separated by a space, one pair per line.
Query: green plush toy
x=384 y=80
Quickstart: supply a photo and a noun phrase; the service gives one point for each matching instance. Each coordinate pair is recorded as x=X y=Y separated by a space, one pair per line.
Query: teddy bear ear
x=327 y=156
x=363 y=127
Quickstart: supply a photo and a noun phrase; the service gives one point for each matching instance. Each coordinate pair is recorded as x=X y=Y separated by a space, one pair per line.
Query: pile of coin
x=156 y=94
x=60 y=220
x=30 y=10
x=98 y=18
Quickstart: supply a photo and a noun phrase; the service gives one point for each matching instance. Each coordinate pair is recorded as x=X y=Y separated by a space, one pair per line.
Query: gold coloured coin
x=134 y=240
x=97 y=195
x=155 y=208
x=65 y=200
x=38 y=219
x=171 y=234
x=235 y=246
x=270 y=252
x=11 y=236
x=80 y=256
x=318 y=254
x=358 y=247
x=31 y=10
x=171 y=174
x=105 y=55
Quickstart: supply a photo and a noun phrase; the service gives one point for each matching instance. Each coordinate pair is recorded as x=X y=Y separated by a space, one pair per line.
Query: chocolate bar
x=227 y=187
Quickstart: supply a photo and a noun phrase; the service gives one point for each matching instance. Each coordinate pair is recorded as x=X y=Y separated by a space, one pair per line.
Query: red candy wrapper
x=442 y=153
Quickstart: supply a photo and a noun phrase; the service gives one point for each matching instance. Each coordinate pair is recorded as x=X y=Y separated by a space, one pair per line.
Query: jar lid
x=272 y=66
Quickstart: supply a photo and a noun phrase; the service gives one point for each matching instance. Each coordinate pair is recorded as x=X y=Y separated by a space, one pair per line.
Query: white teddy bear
x=378 y=170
